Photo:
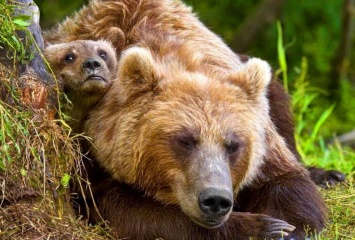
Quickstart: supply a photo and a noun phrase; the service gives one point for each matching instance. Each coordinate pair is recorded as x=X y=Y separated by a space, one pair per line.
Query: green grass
x=341 y=206
x=340 y=199
x=38 y=157
x=314 y=150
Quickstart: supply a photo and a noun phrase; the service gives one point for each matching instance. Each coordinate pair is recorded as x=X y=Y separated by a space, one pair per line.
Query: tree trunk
x=341 y=60
x=265 y=14
x=35 y=83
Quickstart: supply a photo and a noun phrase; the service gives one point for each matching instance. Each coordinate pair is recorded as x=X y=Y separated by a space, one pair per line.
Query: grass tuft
x=10 y=25
x=38 y=157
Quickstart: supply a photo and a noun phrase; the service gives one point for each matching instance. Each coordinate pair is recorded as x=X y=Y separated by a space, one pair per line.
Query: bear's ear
x=137 y=70
x=52 y=54
x=253 y=77
x=47 y=52
x=117 y=38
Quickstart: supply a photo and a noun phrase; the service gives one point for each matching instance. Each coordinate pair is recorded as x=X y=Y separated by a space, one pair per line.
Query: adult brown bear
x=127 y=23
x=187 y=125
x=188 y=148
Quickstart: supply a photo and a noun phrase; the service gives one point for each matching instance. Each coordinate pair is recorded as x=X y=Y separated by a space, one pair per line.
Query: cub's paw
x=325 y=178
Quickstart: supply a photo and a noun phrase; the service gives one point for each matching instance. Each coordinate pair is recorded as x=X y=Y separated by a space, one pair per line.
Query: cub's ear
x=48 y=52
x=253 y=77
x=53 y=54
x=137 y=70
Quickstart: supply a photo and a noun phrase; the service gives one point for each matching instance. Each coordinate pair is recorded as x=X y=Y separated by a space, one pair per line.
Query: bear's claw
x=278 y=228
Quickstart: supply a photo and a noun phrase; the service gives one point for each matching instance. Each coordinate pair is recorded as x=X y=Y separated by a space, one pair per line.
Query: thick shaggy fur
x=185 y=114
x=128 y=22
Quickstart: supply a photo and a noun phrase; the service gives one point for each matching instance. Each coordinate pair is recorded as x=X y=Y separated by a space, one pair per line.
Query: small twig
x=347 y=138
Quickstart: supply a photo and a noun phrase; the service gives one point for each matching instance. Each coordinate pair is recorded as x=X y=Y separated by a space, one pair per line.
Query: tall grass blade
x=282 y=55
x=321 y=120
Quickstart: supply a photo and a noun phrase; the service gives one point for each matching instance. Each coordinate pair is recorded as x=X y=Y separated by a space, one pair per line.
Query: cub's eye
x=69 y=58
x=103 y=55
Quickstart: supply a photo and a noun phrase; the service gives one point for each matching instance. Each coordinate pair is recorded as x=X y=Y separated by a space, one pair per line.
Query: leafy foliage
x=52 y=11
x=38 y=157
x=14 y=134
x=9 y=25
x=309 y=120
x=309 y=123
x=314 y=150
x=311 y=30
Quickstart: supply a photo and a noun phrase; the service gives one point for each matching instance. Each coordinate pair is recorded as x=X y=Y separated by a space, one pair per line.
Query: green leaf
x=23 y=172
x=65 y=180
x=21 y=22
x=321 y=120
x=2 y=165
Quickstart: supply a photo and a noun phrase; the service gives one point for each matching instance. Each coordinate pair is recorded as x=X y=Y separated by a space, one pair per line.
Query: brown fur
x=187 y=86
x=84 y=87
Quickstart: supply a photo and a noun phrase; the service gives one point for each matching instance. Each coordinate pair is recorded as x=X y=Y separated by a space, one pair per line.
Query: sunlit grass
x=315 y=151
x=341 y=208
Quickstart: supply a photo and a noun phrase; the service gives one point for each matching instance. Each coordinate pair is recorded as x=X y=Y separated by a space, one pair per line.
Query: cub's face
x=83 y=66
x=197 y=139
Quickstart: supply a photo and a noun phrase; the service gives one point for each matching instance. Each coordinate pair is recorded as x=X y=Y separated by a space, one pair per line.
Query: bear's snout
x=215 y=202
x=90 y=65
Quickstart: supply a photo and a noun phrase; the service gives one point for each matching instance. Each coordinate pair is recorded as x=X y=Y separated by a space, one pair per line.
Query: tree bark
x=341 y=60
x=265 y=14
x=34 y=203
x=36 y=85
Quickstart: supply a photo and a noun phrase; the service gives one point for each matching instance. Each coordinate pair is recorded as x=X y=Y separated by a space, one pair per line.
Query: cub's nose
x=91 y=64
x=215 y=202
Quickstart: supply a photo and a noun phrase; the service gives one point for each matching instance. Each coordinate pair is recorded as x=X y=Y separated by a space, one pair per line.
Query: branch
x=347 y=138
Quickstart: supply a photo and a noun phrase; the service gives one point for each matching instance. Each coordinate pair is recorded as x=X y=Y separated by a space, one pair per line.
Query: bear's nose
x=91 y=64
x=215 y=202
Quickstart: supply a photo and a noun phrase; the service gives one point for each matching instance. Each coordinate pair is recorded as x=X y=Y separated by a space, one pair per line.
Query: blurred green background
x=312 y=30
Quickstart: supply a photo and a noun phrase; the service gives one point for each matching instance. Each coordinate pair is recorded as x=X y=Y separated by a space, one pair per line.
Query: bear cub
x=85 y=70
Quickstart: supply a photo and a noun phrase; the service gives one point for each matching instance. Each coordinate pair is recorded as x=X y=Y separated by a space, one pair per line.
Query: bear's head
x=182 y=137
x=84 y=67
